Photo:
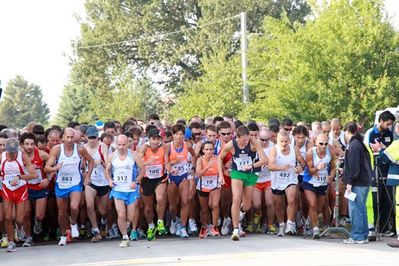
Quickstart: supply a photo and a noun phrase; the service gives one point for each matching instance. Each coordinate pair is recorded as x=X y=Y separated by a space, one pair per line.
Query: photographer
x=357 y=177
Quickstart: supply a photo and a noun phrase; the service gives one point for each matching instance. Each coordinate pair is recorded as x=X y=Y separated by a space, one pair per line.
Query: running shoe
x=372 y=235
x=37 y=227
x=226 y=226
x=235 y=236
x=203 y=232
x=63 y=241
x=141 y=233
x=124 y=243
x=68 y=236
x=19 y=234
x=241 y=230
x=96 y=237
x=178 y=229
x=316 y=233
x=192 y=226
x=290 y=229
x=74 y=231
x=134 y=236
x=173 y=227
x=161 y=228
x=28 y=242
x=4 y=242
x=11 y=247
x=281 y=231
x=183 y=232
x=215 y=231
x=271 y=229
x=151 y=232
x=351 y=241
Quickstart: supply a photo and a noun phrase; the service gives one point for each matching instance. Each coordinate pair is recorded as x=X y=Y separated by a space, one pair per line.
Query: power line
x=156 y=36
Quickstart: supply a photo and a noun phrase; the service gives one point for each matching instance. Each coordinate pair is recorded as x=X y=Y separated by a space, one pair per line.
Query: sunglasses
x=225 y=134
x=92 y=137
x=264 y=140
x=323 y=143
x=287 y=129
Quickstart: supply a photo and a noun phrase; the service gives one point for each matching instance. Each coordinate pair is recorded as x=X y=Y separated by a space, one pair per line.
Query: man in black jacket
x=357 y=177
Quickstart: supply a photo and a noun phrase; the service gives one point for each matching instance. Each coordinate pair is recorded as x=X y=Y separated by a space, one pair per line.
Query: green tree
x=22 y=103
x=334 y=66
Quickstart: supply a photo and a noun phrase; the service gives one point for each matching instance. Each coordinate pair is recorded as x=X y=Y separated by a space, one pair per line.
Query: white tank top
x=322 y=180
x=10 y=169
x=122 y=172
x=264 y=174
x=282 y=179
x=69 y=174
x=97 y=176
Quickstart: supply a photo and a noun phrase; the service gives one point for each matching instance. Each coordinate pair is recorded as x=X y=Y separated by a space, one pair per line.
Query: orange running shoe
x=203 y=232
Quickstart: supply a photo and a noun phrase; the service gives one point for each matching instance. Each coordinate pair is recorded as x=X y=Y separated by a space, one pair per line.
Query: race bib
x=322 y=180
x=122 y=178
x=181 y=168
x=285 y=175
x=209 y=182
x=65 y=180
x=153 y=171
x=242 y=161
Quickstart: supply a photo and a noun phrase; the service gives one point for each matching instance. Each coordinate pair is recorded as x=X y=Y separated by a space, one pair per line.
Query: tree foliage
x=334 y=66
x=22 y=103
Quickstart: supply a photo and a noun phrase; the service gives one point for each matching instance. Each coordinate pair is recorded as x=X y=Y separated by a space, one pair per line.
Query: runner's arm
x=309 y=162
x=86 y=156
x=299 y=158
x=272 y=161
x=29 y=166
x=263 y=160
x=49 y=168
x=223 y=153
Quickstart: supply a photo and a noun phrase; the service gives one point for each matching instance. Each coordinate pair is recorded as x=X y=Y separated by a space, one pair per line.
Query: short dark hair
x=287 y=122
x=238 y=123
x=242 y=131
x=300 y=130
x=224 y=124
x=211 y=128
x=181 y=122
x=136 y=131
x=38 y=129
x=148 y=128
x=195 y=125
x=385 y=116
x=83 y=128
x=26 y=136
x=274 y=121
x=178 y=127
x=41 y=139
x=109 y=124
x=3 y=135
x=2 y=127
x=274 y=128
x=253 y=127
x=217 y=119
x=128 y=134
x=105 y=135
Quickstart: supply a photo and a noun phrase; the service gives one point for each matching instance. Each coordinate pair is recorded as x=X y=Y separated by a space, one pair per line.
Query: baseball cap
x=154 y=133
x=12 y=145
x=92 y=132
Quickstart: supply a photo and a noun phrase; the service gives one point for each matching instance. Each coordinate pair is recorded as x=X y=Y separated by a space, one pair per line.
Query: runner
x=37 y=188
x=243 y=178
x=67 y=157
x=97 y=190
x=125 y=189
x=177 y=166
x=262 y=189
x=15 y=189
x=208 y=188
x=226 y=134
x=4 y=239
x=285 y=164
x=153 y=182
x=319 y=173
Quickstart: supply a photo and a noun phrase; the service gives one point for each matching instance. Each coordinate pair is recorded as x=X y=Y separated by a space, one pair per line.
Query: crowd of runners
x=143 y=179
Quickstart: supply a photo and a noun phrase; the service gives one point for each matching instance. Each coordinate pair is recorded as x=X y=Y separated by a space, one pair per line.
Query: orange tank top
x=182 y=157
x=156 y=168
x=213 y=171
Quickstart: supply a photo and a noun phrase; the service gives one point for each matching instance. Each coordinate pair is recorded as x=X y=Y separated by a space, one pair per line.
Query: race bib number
x=181 y=168
x=284 y=175
x=242 y=161
x=322 y=180
x=209 y=183
x=65 y=180
x=153 y=171
x=122 y=178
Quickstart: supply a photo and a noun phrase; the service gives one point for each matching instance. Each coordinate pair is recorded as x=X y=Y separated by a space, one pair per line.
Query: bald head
x=69 y=136
x=321 y=138
x=282 y=134
x=122 y=143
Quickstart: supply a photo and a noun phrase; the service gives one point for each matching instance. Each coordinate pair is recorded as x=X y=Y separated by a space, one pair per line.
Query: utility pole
x=244 y=63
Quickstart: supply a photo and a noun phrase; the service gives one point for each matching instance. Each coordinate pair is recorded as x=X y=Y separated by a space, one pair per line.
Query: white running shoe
x=226 y=226
x=183 y=232
x=63 y=241
x=173 y=227
x=74 y=231
x=235 y=236
x=178 y=229
x=281 y=231
x=192 y=226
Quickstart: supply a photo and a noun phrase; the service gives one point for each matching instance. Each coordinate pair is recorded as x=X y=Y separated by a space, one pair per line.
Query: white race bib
x=242 y=161
x=153 y=171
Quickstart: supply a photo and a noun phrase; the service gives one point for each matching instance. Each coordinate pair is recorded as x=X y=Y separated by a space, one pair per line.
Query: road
x=252 y=250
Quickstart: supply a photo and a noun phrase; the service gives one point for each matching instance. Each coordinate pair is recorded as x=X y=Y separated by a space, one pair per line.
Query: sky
x=36 y=41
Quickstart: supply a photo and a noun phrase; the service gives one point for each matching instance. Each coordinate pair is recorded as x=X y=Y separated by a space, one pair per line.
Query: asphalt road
x=251 y=250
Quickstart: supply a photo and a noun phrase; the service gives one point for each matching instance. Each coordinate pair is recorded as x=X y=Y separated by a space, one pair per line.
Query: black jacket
x=357 y=168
